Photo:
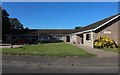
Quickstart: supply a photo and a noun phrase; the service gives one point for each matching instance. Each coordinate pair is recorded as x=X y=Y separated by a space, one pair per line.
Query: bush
x=104 y=42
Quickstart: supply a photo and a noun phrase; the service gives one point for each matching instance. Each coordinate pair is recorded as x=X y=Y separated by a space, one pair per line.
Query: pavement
x=98 y=52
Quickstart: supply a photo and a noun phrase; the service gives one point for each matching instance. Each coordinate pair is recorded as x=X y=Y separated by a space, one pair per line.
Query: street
x=37 y=64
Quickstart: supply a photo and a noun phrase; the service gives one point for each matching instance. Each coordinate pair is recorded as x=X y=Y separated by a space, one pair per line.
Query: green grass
x=50 y=49
x=112 y=49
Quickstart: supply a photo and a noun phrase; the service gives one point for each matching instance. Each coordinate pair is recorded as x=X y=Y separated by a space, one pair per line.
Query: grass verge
x=48 y=49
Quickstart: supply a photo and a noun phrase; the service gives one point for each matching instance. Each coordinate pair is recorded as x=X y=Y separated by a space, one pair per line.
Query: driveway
x=98 y=52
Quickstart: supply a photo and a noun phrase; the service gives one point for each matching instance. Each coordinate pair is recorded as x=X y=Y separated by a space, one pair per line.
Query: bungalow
x=39 y=35
x=107 y=27
x=86 y=36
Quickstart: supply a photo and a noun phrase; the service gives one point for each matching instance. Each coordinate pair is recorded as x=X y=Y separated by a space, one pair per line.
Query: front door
x=68 y=38
x=82 y=40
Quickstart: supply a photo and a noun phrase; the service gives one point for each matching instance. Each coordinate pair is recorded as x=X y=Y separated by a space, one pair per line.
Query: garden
x=48 y=49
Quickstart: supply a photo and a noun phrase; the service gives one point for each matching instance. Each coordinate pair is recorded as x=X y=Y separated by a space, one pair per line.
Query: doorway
x=68 y=39
x=80 y=39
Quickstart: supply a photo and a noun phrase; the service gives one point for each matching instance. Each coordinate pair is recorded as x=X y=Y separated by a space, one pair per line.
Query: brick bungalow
x=38 y=35
x=86 y=36
x=107 y=27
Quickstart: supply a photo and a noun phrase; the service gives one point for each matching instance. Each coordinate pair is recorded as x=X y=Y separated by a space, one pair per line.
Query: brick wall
x=111 y=31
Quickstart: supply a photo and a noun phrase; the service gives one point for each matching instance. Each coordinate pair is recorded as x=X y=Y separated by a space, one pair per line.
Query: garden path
x=98 y=52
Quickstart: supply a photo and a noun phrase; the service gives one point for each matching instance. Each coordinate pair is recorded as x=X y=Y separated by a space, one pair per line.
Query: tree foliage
x=11 y=25
x=15 y=24
x=5 y=22
x=78 y=27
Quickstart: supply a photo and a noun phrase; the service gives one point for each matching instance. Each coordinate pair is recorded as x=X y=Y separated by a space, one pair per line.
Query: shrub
x=104 y=42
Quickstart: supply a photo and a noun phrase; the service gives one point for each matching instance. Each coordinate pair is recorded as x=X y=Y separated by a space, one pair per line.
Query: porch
x=79 y=39
x=86 y=39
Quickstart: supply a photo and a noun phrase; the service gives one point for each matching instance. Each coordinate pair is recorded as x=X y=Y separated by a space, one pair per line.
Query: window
x=88 y=37
x=59 y=37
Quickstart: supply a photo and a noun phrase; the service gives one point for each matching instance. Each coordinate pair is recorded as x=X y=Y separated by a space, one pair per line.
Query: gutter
x=84 y=31
x=106 y=23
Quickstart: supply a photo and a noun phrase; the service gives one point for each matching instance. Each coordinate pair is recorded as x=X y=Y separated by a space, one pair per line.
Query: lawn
x=112 y=49
x=48 y=49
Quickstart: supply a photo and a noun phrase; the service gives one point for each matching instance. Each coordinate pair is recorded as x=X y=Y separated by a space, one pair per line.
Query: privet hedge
x=104 y=42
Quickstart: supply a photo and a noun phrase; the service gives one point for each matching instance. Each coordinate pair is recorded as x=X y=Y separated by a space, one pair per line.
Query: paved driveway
x=98 y=52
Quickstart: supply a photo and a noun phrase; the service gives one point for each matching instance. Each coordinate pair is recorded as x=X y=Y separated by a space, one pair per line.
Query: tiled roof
x=52 y=31
x=96 y=24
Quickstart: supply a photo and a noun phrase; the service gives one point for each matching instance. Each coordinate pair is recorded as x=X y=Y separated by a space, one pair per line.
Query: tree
x=5 y=23
x=78 y=27
x=15 y=24
x=11 y=25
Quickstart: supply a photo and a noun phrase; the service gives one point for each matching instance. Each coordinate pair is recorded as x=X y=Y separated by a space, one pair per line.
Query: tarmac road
x=37 y=64
x=34 y=68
